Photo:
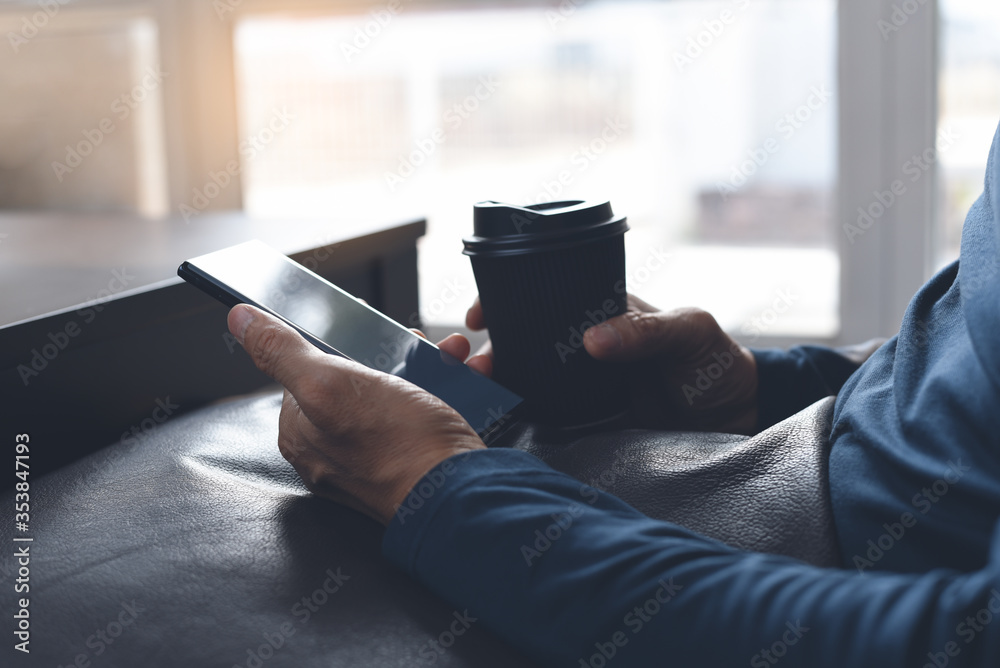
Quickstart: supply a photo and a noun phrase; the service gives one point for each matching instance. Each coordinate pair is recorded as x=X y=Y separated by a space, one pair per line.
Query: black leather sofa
x=196 y=545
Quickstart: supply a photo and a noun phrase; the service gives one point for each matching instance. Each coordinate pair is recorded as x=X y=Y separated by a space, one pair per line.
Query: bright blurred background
x=712 y=124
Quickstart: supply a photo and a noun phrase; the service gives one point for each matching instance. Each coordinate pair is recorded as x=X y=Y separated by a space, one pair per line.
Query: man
x=915 y=455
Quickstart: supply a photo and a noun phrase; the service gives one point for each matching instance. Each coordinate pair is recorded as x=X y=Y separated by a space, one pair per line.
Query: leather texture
x=766 y=493
x=201 y=537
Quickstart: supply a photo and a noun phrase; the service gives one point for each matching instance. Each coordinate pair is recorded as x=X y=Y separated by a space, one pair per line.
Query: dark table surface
x=50 y=261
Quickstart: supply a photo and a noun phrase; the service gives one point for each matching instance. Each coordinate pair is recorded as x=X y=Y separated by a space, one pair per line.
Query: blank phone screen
x=338 y=323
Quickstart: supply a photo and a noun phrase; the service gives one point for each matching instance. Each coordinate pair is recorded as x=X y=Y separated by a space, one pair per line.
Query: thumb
x=274 y=346
x=637 y=335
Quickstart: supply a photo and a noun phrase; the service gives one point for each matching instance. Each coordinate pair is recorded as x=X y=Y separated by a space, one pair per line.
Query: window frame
x=881 y=72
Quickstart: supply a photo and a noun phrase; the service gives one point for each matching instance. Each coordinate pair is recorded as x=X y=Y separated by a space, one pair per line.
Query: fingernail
x=605 y=337
x=242 y=316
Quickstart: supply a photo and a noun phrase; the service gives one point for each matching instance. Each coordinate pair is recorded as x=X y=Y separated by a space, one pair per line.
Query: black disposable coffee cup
x=546 y=273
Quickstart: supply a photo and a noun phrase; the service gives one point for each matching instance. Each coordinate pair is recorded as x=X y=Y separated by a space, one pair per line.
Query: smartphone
x=340 y=324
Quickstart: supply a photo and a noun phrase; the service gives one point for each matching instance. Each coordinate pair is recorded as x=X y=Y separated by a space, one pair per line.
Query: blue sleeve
x=788 y=381
x=575 y=577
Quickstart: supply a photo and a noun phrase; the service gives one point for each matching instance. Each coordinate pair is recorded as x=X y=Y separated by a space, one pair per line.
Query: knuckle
x=645 y=325
x=266 y=349
x=288 y=446
x=314 y=479
x=697 y=318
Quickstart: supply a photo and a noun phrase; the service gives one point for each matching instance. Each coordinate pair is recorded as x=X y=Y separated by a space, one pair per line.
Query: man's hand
x=354 y=435
x=686 y=373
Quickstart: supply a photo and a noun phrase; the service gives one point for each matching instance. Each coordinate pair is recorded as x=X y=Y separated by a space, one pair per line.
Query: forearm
x=565 y=572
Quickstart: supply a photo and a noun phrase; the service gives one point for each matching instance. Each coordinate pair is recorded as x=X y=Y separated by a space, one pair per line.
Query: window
x=710 y=124
x=84 y=102
x=741 y=137
x=969 y=106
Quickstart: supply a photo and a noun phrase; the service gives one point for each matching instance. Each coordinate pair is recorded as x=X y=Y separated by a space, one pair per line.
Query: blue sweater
x=575 y=577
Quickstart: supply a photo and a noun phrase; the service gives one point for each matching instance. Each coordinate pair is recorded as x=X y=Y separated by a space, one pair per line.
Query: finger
x=486 y=350
x=456 y=345
x=418 y=332
x=474 y=319
x=276 y=348
x=637 y=335
x=482 y=364
x=289 y=435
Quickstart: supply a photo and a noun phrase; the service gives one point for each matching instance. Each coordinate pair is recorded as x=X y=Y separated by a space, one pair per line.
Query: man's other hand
x=685 y=371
